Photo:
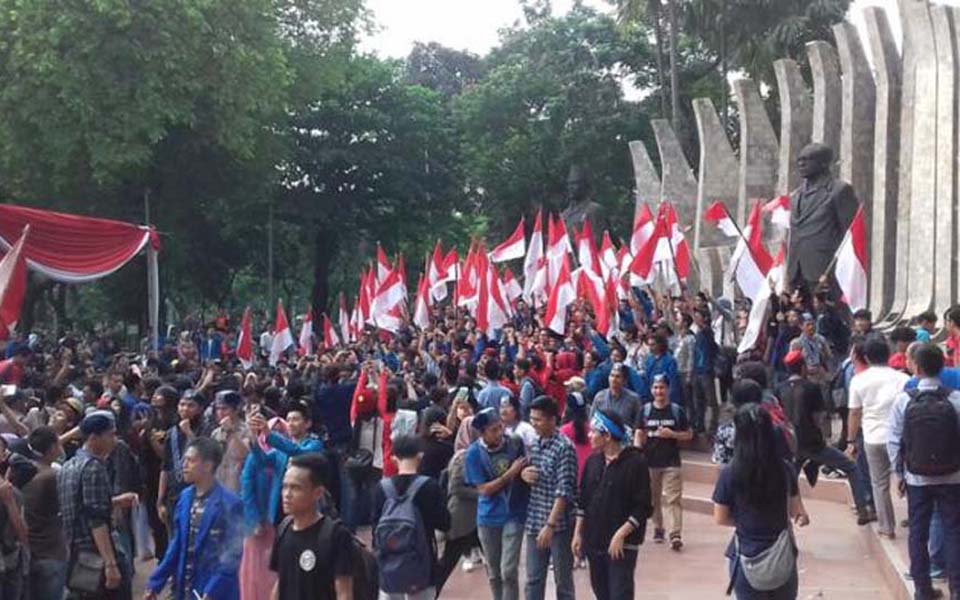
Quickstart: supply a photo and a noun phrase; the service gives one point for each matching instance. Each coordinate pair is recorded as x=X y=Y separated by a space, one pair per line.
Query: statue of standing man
x=821 y=210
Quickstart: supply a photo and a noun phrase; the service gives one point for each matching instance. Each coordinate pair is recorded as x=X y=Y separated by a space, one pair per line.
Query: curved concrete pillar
x=718 y=174
x=796 y=122
x=677 y=185
x=759 y=148
x=886 y=160
x=945 y=256
x=646 y=179
x=922 y=249
x=827 y=94
x=858 y=113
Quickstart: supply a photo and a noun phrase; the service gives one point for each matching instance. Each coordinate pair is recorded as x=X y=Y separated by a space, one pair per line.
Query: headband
x=602 y=424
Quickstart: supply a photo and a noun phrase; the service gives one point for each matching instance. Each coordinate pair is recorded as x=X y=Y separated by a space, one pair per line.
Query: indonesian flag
x=751 y=262
x=594 y=288
x=511 y=287
x=643 y=227
x=343 y=319
x=852 y=263
x=421 y=306
x=306 y=335
x=13 y=286
x=391 y=320
x=402 y=274
x=533 y=261
x=443 y=269
x=558 y=246
x=562 y=295
x=389 y=295
x=492 y=310
x=778 y=272
x=383 y=265
x=758 y=317
x=468 y=284
x=245 y=340
x=673 y=246
x=608 y=255
x=586 y=251
x=720 y=216
x=282 y=337
x=779 y=210
x=356 y=322
x=330 y=338
x=512 y=248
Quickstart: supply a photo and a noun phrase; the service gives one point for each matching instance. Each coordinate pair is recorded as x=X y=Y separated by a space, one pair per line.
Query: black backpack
x=366 y=574
x=931 y=433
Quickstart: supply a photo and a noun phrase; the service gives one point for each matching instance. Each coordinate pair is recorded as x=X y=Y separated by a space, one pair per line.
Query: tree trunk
x=325 y=250
x=674 y=66
x=654 y=11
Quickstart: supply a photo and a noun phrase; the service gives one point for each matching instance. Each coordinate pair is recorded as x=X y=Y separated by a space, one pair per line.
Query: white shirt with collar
x=875 y=390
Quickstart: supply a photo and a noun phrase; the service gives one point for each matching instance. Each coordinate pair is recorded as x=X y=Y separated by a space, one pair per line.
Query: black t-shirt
x=663 y=452
x=306 y=566
x=757 y=526
x=436 y=457
x=801 y=400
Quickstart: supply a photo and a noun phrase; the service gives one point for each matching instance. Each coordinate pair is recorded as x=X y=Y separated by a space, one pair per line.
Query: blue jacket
x=663 y=365
x=260 y=487
x=277 y=460
x=599 y=379
x=949 y=378
x=704 y=353
x=217 y=548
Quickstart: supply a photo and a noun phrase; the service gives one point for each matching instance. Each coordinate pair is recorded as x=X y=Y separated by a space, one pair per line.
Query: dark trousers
x=612 y=579
x=453 y=550
x=704 y=398
x=921 y=502
x=744 y=591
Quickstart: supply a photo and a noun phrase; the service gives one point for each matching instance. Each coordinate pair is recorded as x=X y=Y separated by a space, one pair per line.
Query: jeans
x=831 y=457
x=744 y=591
x=356 y=498
x=501 y=550
x=938 y=559
x=429 y=593
x=538 y=563
x=864 y=471
x=879 y=461
x=666 y=494
x=921 y=502
x=11 y=583
x=47 y=579
x=612 y=579
x=704 y=398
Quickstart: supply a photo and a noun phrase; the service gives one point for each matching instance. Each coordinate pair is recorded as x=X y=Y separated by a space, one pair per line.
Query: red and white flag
x=558 y=246
x=852 y=263
x=305 y=340
x=245 y=340
x=330 y=338
x=363 y=300
x=751 y=262
x=608 y=255
x=587 y=254
x=562 y=295
x=402 y=274
x=511 y=287
x=673 y=247
x=390 y=294
x=779 y=210
x=421 y=306
x=343 y=320
x=594 y=288
x=534 y=261
x=443 y=269
x=643 y=227
x=383 y=265
x=512 y=248
x=282 y=337
x=468 y=282
x=718 y=214
x=492 y=308
x=13 y=286
x=778 y=272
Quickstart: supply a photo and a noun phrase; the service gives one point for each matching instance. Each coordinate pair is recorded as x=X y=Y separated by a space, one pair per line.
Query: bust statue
x=580 y=206
x=820 y=213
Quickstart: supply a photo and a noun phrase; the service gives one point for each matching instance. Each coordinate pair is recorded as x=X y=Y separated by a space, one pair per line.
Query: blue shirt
x=895 y=439
x=949 y=377
x=492 y=395
x=483 y=466
x=556 y=462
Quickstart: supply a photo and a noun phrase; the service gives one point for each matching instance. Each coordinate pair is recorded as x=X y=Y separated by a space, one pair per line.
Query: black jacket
x=612 y=494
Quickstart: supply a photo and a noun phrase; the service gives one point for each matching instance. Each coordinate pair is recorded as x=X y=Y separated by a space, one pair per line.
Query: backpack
x=931 y=433
x=537 y=388
x=400 y=541
x=366 y=584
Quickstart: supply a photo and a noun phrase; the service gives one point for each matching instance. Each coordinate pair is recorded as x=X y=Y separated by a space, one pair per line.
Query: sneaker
x=866 y=516
x=676 y=544
x=935 y=574
x=467 y=565
x=658 y=536
x=476 y=556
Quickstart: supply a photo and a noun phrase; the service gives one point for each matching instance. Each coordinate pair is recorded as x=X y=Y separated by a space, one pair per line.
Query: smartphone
x=7 y=390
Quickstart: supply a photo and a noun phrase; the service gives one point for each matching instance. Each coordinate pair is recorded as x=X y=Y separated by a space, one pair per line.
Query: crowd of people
x=458 y=450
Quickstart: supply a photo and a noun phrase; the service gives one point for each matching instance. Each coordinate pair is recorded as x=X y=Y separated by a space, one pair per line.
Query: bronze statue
x=820 y=213
x=580 y=206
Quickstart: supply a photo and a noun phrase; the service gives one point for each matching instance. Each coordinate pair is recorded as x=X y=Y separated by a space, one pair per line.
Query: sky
x=473 y=24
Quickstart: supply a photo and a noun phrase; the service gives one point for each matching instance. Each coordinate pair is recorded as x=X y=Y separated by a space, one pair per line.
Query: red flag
x=852 y=263
x=13 y=285
x=282 y=338
x=245 y=340
x=512 y=248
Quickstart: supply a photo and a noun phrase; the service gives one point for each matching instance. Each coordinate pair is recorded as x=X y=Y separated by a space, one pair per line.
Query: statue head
x=815 y=160
x=578 y=184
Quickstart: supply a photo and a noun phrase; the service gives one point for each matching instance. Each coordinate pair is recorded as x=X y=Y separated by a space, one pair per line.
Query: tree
x=443 y=69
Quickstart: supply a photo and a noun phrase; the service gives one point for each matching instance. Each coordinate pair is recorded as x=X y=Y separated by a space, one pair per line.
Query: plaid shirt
x=555 y=459
x=85 y=492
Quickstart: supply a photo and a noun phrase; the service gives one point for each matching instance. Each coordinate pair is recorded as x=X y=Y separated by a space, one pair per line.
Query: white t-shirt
x=875 y=390
x=525 y=432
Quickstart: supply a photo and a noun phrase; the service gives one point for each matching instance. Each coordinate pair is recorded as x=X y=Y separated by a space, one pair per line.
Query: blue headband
x=602 y=424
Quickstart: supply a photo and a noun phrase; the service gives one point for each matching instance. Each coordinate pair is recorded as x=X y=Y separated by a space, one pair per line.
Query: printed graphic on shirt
x=308 y=560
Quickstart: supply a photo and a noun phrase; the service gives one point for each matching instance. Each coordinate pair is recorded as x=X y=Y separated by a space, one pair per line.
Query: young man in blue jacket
x=203 y=557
